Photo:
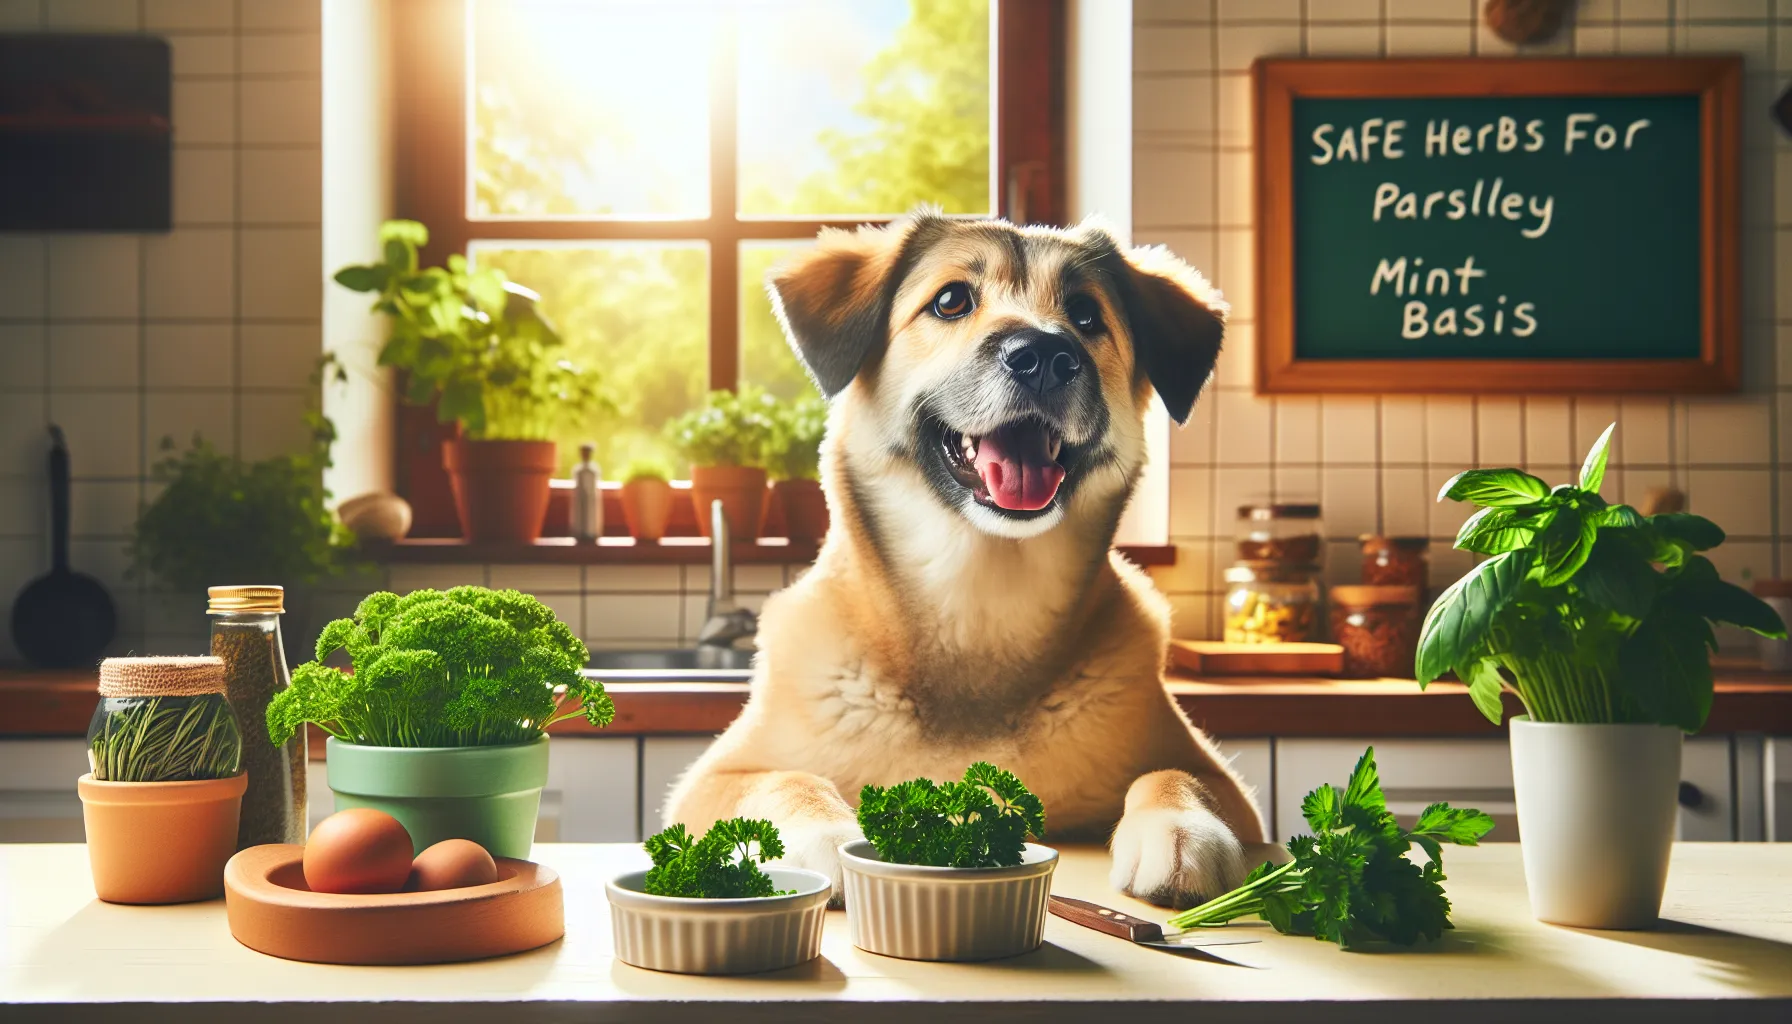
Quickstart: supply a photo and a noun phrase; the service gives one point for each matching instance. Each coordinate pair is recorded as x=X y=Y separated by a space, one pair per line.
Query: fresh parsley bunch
x=724 y=864
x=981 y=822
x=1350 y=882
x=455 y=668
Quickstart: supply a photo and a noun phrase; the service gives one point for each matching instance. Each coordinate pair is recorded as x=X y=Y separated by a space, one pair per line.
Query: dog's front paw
x=1175 y=858
x=815 y=846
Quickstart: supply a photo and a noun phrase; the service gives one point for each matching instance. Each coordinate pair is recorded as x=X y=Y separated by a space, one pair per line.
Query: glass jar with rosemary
x=163 y=720
x=246 y=637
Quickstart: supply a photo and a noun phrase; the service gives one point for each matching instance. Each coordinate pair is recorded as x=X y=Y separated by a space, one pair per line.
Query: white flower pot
x=719 y=936
x=1596 y=814
x=920 y=912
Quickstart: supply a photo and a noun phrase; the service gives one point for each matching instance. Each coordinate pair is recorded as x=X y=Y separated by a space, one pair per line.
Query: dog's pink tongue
x=1017 y=469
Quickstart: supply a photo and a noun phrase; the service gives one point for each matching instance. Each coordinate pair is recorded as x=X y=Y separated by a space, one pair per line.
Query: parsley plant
x=981 y=822
x=724 y=864
x=1350 y=882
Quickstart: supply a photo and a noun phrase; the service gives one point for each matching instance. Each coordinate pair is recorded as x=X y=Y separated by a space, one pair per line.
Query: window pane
x=589 y=108
x=765 y=355
x=864 y=107
x=638 y=314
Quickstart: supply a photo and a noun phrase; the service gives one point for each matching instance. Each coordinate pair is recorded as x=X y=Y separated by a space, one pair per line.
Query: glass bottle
x=246 y=636
x=587 y=497
x=1271 y=602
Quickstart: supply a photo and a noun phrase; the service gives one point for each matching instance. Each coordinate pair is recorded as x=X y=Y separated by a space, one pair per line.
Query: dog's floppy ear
x=1177 y=319
x=834 y=300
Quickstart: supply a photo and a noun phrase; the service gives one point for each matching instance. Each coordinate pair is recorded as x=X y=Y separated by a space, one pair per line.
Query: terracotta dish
x=271 y=911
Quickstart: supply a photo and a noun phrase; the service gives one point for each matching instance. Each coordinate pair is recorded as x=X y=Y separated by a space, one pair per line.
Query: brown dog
x=989 y=387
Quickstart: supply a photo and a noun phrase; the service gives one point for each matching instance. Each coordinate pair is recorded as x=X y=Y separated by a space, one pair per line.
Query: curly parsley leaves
x=981 y=822
x=724 y=864
x=1350 y=882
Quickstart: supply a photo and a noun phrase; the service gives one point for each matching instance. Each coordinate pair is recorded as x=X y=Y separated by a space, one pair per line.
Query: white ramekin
x=695 y=936
x=918 y=912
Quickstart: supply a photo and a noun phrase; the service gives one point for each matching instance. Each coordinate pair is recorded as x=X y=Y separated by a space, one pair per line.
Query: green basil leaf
x=1459 y=620
x=1695 y=532
x=1494 y=529
x=1731 y=605
x=1618 y=516
x=1592 y=471
x=362 y=279
x=1666 y=667
x=1484 y=687
x=1617 y=575
x=405 y=231
x=1565 y=547
x=1503 y=487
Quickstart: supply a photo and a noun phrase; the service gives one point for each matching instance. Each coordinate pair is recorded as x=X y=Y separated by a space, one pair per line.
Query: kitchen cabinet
x=37 y=790
x=614 y=788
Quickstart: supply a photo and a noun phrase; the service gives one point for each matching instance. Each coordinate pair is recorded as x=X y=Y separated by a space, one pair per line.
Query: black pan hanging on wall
x=63 y=619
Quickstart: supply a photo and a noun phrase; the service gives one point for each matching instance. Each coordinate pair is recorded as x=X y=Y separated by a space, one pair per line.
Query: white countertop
x=1727 y=937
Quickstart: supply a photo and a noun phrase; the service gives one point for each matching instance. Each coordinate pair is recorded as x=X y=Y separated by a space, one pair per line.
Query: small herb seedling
x=1350 y=881
x=981 y=822
x=724 y=864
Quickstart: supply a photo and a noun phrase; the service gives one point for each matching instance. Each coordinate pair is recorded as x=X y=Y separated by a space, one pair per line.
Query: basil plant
x=1589 y=611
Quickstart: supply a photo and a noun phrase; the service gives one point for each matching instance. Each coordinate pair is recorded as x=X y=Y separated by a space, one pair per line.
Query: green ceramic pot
x=487 y=794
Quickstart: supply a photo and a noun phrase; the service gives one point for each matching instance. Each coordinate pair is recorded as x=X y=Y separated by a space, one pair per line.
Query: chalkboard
x=1497 y=225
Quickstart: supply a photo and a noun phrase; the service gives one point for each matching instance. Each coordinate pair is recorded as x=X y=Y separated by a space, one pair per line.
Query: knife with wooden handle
x=1142 y=932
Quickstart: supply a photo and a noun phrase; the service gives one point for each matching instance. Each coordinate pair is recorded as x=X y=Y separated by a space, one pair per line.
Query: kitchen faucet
x=727 y=622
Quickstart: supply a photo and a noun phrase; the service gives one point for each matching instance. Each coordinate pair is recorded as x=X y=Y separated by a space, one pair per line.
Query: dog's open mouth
x=1015 y=468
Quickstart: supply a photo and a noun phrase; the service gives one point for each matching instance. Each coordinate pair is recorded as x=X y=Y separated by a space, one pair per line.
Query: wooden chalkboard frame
x=1717 y=81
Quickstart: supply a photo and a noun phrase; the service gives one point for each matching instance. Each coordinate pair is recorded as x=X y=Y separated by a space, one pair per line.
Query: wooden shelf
x=625 y=551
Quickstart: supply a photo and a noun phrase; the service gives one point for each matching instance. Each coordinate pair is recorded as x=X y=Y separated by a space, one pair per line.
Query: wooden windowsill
x=625 y=551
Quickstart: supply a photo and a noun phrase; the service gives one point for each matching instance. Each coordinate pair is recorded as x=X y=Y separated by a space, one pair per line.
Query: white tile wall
x=122 y=339
x=1376 y=463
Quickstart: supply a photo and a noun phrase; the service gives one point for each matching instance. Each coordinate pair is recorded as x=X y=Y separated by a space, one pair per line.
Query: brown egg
x=452 y=864
x=359 y=850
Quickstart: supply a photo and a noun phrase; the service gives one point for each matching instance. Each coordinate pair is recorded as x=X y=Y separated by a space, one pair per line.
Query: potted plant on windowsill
x=1599 y=619
x=160 y=804
x=646 y=499
x=474 y=343
x=443 y=721
x=726 y=442
x=945 y=872
x=793 y=459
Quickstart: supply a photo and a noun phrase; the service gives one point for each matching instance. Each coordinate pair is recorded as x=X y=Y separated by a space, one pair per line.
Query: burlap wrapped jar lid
x=230 y=600
x=161 y=677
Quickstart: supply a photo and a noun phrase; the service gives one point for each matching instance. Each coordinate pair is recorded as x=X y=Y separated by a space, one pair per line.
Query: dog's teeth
x=969 y=445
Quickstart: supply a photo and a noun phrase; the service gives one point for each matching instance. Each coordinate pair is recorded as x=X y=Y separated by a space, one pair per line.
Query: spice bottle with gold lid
x=246 y=636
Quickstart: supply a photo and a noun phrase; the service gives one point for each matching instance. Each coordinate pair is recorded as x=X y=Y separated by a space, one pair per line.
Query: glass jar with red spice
x=1378 y=627
x=1395 y=561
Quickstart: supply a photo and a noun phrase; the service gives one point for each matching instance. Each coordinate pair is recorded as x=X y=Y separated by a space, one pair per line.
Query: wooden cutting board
x=1216 y=658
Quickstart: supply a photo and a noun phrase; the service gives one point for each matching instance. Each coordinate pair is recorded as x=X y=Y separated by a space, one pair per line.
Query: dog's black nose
x=1041 y=361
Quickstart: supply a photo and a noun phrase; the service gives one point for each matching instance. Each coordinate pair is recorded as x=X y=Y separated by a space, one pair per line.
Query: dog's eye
x=953 y=301
x=1084 y=313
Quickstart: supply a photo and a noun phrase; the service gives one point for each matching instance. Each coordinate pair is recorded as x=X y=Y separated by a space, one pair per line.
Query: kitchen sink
x=672 y=665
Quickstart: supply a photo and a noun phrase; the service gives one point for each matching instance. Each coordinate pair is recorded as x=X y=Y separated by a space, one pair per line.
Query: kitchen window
x=642 y=164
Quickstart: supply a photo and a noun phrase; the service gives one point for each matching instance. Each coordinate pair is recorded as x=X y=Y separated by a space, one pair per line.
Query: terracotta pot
x=500 y=487
x=742 y=492
x=160 y=842
x=805 y=509
x=646 y=505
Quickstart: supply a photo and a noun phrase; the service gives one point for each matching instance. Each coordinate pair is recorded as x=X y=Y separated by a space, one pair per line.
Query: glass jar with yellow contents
x=1271 y=602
